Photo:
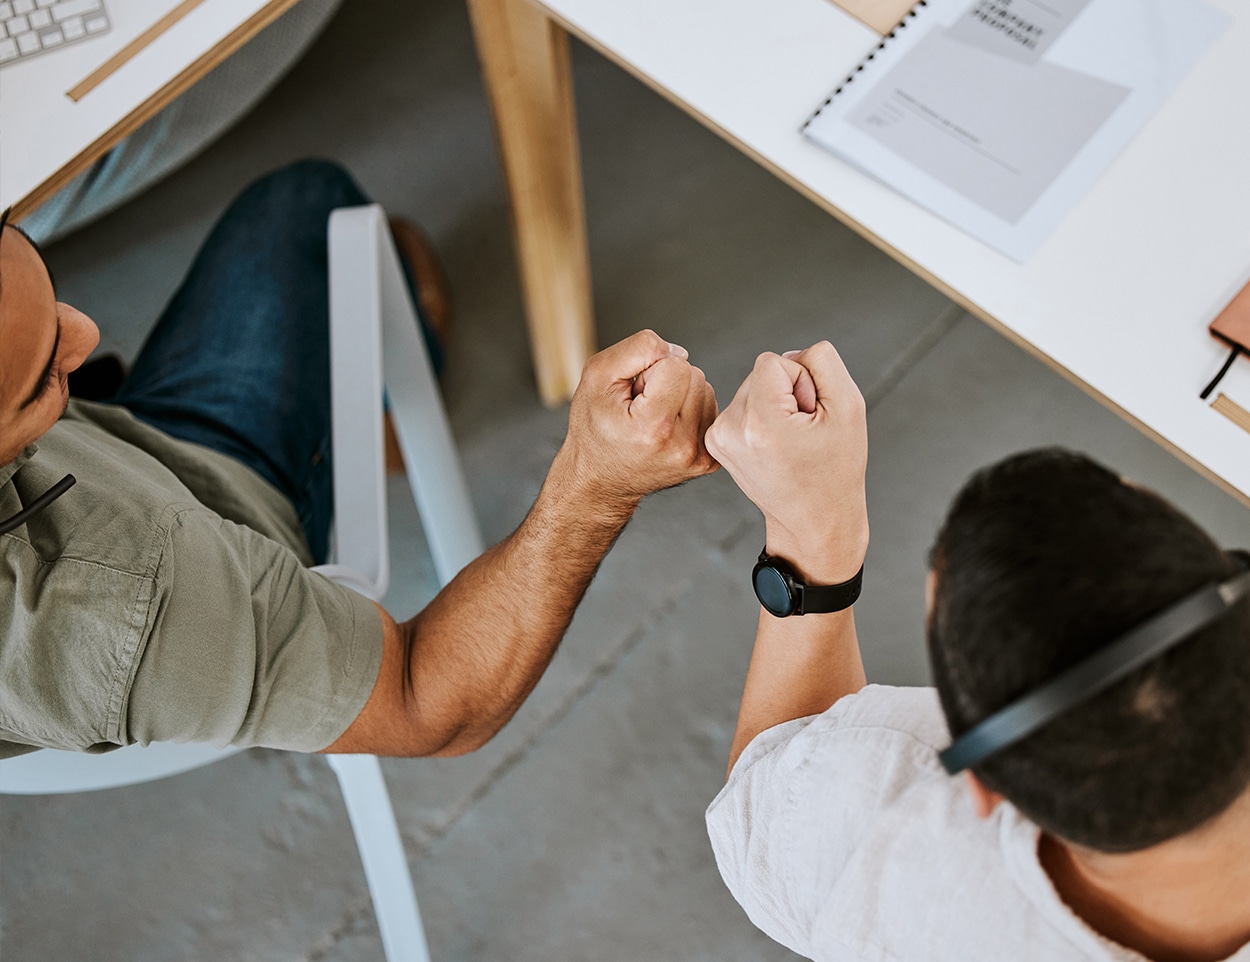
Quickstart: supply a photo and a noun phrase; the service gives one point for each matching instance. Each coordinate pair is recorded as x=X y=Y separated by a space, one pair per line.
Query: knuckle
x=593 y=366
x=648 y=338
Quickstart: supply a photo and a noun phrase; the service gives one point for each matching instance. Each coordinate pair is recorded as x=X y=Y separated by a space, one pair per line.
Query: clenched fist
x=795 y=439
x=637 y=422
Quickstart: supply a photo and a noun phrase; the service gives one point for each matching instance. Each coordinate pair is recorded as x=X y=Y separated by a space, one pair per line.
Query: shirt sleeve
x=248 y=647
x=804 y=794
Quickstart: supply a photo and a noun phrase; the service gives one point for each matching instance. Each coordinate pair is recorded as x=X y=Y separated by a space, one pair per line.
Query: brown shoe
x=433 y=291
x=434 y=298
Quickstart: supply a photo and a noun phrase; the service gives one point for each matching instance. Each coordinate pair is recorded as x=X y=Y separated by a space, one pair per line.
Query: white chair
x=375 y=341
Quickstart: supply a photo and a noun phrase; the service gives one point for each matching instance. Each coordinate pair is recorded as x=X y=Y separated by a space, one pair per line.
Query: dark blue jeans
x=240 y=359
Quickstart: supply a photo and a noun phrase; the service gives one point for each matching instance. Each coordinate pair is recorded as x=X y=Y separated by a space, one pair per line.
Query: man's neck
x=1181 y=901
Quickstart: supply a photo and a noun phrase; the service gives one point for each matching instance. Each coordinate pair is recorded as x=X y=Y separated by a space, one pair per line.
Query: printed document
x=998 y=115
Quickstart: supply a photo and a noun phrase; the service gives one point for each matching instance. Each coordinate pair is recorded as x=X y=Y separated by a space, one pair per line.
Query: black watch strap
x=817 y=599
x=821 y=599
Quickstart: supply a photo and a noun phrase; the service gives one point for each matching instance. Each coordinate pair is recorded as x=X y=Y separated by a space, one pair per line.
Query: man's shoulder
x=870 y=762
x=876 y=722
x=864 y=769
x=819 y=809
x=843 y=837
x=912 y=711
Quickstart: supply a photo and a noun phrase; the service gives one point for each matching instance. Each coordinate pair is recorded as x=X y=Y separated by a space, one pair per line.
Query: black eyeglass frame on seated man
x=1164 y=630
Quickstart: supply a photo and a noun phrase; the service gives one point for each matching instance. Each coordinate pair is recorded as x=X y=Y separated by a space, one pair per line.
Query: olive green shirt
x=166 y=597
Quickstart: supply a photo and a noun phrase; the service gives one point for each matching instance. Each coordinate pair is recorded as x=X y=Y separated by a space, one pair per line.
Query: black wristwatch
x=782 y=593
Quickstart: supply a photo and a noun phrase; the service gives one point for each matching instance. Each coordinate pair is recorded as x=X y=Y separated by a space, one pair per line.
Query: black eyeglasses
x=1099 y=671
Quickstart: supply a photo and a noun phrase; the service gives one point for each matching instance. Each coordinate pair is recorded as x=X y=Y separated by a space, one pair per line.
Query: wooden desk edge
x=153 y=105
x=907 y=262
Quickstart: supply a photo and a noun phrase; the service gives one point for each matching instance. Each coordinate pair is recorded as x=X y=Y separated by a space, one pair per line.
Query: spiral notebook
x=999 y=115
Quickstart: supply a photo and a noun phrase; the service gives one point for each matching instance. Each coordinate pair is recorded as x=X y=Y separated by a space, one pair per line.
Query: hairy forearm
x=453 y=675
x=476 y=651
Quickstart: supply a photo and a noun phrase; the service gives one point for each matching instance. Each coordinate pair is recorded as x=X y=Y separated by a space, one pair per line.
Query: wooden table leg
x=525 y=66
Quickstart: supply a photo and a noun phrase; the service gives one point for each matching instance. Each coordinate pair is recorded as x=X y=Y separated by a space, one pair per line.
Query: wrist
x=827 y=559
x=782 y=591
x=586 y=493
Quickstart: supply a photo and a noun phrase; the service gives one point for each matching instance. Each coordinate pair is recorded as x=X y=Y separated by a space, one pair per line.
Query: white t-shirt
x=843 y=838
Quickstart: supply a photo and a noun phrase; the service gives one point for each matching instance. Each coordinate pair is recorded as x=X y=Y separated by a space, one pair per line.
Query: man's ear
x=983 y=800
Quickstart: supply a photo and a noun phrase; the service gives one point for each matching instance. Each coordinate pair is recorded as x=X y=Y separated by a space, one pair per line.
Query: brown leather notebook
x=1231 y=327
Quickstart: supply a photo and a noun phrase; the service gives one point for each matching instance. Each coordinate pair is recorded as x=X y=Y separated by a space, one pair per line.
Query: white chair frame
x=375 y=342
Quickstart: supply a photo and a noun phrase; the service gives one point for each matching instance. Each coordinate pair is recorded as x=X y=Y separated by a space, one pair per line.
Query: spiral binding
x=901 y=25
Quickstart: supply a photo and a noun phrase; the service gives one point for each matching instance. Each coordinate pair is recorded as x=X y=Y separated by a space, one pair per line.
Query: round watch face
x=772 y=590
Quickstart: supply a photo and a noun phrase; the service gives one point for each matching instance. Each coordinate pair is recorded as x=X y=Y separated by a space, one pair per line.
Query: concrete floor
x=578 y=833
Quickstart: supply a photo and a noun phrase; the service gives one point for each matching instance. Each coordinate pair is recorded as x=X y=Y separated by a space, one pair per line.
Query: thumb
x=785 y=381
x=805 y=391
x=665 y=386
x=831 y=379
x=804 y=387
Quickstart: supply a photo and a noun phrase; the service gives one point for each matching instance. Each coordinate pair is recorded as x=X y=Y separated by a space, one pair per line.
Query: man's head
x=41 y=342
x=1043 y=559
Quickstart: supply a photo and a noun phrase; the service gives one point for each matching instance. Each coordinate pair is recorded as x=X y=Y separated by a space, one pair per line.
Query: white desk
x=1117 y=299
x=49 y=138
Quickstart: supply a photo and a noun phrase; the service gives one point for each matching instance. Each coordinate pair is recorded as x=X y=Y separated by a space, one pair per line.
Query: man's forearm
x=454 y=674
x=795 y=440
x=478 y=649
x=800 y=666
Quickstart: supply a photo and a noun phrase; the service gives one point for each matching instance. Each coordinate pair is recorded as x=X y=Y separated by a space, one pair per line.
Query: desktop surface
x=1118 y=297
x=49 y=136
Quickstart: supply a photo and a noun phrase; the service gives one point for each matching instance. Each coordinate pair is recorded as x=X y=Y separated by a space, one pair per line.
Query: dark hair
x=1044 y=558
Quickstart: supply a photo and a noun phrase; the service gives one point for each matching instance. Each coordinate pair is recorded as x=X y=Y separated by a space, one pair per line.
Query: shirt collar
x=7 y=471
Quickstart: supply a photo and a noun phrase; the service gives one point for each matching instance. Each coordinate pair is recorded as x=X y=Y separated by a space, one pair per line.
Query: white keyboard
x=29 y=27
